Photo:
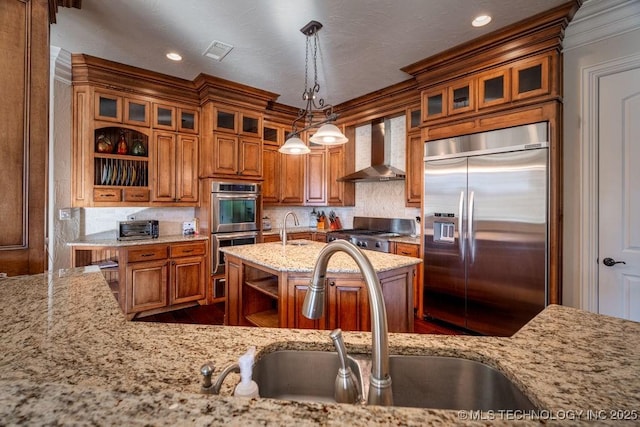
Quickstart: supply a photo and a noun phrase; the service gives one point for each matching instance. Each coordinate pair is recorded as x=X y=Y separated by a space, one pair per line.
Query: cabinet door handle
x=332 y=283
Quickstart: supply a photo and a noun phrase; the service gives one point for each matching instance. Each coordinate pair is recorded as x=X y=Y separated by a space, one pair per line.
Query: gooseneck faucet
x=380 y=392
x=283 y=231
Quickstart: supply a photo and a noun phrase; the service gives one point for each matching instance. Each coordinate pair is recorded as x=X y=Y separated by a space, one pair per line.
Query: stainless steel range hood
x=380 y=169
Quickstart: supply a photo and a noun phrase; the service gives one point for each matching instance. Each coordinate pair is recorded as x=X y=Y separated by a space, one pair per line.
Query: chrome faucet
x=380 y=392
x=283 y=231
x=207 y=386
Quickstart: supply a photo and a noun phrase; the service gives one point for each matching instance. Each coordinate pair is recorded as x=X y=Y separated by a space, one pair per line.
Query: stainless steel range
x=374 y=233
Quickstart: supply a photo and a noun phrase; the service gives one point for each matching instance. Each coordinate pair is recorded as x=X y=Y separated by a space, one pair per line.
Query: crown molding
x=60 y=61
x=598 y=20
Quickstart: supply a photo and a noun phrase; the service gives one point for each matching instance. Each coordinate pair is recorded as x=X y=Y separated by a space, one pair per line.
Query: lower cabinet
x=412 y=250
x=162 y=277
x=146 y=284
x=301 y=235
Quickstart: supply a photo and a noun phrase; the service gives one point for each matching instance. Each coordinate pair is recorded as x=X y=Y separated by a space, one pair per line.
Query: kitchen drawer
x=188 y=249
x=107 y=194
x=408 y=249
x=148 y=253
x=136 y=194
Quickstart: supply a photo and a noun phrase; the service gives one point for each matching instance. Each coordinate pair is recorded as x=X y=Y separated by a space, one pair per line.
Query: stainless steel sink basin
x=417 y=381
x=452 y=383
x=299 y=375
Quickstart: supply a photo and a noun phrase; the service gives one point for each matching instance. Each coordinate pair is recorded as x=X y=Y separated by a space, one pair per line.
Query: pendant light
x=328 y=133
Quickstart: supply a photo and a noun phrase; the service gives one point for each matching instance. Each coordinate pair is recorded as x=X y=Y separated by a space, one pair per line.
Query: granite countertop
x=108 y=239
x=301 y=255
x=69 y=356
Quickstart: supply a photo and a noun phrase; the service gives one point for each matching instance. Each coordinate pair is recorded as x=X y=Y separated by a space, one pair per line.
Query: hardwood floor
x=214 y=315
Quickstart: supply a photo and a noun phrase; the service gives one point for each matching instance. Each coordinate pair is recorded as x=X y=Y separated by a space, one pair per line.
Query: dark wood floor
x=214 y=315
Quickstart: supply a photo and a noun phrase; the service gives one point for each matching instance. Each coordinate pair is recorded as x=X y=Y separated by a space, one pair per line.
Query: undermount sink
x=299 y=375
x=417 y=381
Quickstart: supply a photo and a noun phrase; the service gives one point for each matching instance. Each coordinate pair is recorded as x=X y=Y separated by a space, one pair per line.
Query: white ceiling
x=363 y=43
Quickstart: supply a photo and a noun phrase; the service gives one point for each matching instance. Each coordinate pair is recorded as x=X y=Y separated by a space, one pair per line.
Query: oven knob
x=364 y=244
x=378 y=245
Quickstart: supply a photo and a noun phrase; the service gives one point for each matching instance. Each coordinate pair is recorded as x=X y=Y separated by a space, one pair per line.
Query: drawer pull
x=147 y=255
x=187 y=251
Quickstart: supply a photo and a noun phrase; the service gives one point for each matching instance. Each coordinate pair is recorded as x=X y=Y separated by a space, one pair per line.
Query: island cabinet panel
x=233 y=275
x=297 y=290
x=348 y=304
x=394 y=292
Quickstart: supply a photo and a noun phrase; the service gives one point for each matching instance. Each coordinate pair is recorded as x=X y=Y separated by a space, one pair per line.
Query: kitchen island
x=69 y=356
x=266 y=284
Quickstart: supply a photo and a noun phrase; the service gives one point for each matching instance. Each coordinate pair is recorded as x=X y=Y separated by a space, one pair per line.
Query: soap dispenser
x=247 y=387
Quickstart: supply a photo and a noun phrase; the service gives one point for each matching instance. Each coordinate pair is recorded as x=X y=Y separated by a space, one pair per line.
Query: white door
x=619 y=195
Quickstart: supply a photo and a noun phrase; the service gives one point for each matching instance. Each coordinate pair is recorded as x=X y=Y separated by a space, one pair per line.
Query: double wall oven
x=235 y=220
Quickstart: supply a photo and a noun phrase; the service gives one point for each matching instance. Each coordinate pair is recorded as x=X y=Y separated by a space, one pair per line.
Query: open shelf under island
x=267 y=282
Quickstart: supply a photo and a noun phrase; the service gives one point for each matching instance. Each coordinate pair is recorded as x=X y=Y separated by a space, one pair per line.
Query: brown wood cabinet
x=412 y=250
x=347 y=305
x=175 y=159
x=146 y=286
x=493 y=89
x=151 y=277
x=305 y=235
x=111 y=102
x=187 y=282
x=415 y=164
x=24 y=85
x=335 y=170
x=316 y=177
x=231 y=143
x=283 y=174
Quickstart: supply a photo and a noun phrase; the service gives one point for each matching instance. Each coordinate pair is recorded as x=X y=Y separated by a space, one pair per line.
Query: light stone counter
x=108 y=239
x=69 y=356
x=301 y=255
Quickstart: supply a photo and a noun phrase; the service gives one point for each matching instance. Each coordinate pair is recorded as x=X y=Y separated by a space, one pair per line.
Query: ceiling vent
x=217 y=50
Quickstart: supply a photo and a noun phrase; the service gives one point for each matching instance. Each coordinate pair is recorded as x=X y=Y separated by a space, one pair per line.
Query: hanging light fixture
x=328 y=133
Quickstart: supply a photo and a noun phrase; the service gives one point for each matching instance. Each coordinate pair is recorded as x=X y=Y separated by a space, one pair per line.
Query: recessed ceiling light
x=174 y=56
x=481 y=20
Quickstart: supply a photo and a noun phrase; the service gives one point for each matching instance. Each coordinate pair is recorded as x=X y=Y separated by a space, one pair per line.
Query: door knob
x=610 y=262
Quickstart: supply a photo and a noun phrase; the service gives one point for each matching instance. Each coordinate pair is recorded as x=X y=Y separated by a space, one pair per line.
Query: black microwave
x=133 y=230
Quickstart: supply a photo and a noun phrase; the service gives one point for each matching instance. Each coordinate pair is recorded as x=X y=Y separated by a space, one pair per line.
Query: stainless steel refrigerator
x=485 y=228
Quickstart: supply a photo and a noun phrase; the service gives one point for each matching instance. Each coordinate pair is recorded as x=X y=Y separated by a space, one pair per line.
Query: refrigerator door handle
x=461 y=239
x=472 y=248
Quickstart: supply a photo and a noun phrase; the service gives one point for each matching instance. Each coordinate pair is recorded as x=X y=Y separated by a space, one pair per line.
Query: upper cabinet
x=283 y=174
x=494 y=89
x=130 y=148
x=530 y=78
x=231 y=143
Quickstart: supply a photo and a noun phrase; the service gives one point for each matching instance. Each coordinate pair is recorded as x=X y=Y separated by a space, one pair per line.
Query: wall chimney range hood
x=380 y=169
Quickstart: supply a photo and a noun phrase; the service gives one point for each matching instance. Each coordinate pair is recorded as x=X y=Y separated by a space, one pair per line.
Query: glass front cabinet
x=504 y=85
